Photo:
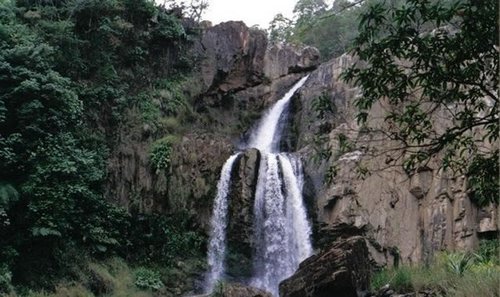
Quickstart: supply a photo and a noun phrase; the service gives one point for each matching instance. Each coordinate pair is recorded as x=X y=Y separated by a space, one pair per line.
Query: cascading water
x=267 y=135
x=217 y=244
x=281 y=232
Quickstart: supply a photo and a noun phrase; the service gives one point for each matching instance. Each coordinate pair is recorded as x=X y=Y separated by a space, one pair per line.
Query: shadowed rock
x=342 y=270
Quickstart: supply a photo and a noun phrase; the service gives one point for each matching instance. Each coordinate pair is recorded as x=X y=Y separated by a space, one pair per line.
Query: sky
x=252 y=12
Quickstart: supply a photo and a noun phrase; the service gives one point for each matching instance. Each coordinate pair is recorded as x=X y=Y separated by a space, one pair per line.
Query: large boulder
x=342 y=270
x=233 y=56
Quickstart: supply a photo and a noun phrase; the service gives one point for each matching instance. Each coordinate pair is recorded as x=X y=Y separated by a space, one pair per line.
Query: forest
x=78 y=78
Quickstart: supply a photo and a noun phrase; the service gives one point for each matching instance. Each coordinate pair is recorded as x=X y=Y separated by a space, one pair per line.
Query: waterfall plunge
x=281 y=230
x=217 y=244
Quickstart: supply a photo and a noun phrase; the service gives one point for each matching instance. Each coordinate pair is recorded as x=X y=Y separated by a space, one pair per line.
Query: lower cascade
x=281 y=231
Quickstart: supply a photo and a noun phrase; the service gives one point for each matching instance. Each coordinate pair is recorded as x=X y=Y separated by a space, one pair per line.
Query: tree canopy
x=68 y=69
x=435 y=58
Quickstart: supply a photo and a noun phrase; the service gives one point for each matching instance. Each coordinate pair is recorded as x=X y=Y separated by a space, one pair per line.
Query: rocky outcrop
x=240 y=214
x=233 y=57
x=243 y=185
x=283 y=59
x=194 y=170
x=239 y=290
x=236 y=57
x=341 y=270
x=359 y=182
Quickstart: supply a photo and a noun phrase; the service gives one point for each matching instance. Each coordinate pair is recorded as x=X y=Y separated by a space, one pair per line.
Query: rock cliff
x=361 y=187
x=237 y=75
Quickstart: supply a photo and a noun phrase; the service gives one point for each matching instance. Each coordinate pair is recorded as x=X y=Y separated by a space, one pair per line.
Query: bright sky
x=252 y=12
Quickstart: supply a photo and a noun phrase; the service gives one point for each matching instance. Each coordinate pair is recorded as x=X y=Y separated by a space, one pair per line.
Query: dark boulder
x=342 y=270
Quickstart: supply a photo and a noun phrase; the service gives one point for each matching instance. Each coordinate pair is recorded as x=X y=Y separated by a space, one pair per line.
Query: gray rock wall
x=406 y=217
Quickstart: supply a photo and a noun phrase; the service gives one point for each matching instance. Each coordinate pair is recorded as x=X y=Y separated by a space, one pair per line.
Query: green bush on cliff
x=147 y=279
x=159 y=155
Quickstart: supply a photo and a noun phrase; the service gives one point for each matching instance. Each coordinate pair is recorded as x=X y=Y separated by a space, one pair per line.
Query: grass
x=450 y=275
x=113 y=278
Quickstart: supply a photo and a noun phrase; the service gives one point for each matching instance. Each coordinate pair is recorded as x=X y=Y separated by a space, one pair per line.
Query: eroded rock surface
x=341 y=270
x=361 y=184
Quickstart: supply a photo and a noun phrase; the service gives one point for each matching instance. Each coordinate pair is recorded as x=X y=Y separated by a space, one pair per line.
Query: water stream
x=281 y=231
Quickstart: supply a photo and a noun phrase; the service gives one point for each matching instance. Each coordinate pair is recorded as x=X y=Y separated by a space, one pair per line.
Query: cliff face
x=237 y=75
x=404 y=217
x=362 y=188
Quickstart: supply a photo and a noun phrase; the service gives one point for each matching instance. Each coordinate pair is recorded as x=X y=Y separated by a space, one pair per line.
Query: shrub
x=148 y=279
x=399 y=279
x=450 y=275
x=459 y=263
x=5 y=280
x=160 y=154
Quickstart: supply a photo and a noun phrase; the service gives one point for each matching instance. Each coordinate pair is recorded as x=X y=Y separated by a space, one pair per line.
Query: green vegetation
x=330 y=28
x=450 y=274
x=148 y=279
x=323 y=106
x=160 y=154
x=72 y=73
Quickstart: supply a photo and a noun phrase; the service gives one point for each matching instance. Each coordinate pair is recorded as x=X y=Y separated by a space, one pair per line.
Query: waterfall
x=281 y=231
x=217 y=243
x=266 y=137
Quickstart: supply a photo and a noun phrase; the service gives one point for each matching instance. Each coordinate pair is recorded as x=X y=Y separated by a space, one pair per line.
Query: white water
x=217 y=243
x=265 y=137
x=281 y=230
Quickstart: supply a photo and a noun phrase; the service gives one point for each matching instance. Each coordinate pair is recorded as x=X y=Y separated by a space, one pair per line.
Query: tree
x=429 y=58
x=330 y=29
x=280 y=28
x=306 y=10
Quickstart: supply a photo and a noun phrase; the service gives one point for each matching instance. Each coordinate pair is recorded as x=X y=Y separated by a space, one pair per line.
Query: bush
x=5 y=280
x=148 y=279
x=399 y=279
x=159 y=155
x=459 y=263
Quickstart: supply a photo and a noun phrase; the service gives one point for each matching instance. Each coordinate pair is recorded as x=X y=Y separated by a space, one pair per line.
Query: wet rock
x=239 y=290
x=340 y=270
x=240 y=213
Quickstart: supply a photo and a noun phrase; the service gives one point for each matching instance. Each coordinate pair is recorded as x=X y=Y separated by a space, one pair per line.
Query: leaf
x=43 y=231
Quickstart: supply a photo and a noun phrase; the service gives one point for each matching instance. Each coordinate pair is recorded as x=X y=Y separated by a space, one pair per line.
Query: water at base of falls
x=281 y=231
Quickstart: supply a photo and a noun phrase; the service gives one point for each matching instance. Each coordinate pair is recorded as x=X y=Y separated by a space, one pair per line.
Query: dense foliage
x=329 y=28
x=68 y=70
x=435 y=60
